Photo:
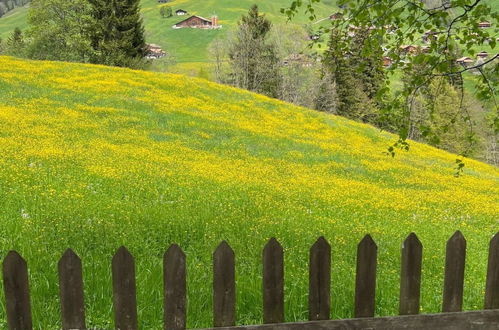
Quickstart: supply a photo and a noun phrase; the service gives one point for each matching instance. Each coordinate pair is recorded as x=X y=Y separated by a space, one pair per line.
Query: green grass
x=96 y=157
x=13 y=19
x=186 y=45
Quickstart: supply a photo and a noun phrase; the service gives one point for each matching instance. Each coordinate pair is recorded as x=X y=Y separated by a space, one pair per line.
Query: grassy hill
x=95 y=157
x=188 y=47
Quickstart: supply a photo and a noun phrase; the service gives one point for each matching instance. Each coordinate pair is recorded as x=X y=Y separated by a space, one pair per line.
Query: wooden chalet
x=336 y=16
x=482 y=54
x=181 y=12
x=198 y=22
x=409 y=49
x=465 y=61
x=429 y=36
x=154 y=52
x=298 y=59
x=387 y=61
x=484 y=25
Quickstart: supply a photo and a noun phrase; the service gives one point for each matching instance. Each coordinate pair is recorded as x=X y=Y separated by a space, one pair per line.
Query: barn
x=198 y=22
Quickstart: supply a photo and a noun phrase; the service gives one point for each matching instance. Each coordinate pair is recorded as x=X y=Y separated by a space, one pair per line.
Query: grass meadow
x=96 y=157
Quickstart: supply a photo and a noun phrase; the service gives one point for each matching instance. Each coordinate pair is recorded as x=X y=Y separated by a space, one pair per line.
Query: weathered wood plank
x=319 y=285
x=410 y=277
x=175 y=288
x=273 y=282
x=224 y=286
x=16 y=288
x=71 y=291
x=124 y=290
x=480 y=320
x=492 y=283
x=454 y=273
x=365 y=279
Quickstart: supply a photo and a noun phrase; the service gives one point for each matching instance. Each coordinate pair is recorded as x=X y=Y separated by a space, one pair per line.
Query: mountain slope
x=95 y=157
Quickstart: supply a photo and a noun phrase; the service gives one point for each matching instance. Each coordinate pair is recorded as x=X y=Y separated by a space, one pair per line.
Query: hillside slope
x=94 y=157
x=188 y=47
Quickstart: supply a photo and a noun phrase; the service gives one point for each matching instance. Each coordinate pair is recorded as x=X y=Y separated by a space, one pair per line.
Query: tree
x=357 y=75
x=15 y=44
x=118 y=37
x=59 y=30
x=450 y=29
x=253 y=59
x=166 y=11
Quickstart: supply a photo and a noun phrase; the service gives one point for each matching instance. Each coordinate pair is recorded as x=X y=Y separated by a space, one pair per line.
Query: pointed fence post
x=273 y=282
x=319 y=284
x=454 y=273
x=224 y=286
x=71 y=291
x=492 y=284
x=365 y=280
x=410 y=277
x=124 y=290
x=16 y=287
x=174 y=279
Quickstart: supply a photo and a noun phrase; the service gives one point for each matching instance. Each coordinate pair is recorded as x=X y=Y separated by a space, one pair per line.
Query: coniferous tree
x=358 y=74
x=253 y=58
x=15 y=44
x=118 y=37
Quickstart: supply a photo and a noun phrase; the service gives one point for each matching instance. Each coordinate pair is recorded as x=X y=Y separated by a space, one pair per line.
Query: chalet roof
x=180 y=11
x=465 y=59
x=188 y=18
x=153 y=46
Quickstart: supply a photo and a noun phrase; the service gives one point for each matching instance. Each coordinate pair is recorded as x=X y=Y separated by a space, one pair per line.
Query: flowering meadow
x=94 y=157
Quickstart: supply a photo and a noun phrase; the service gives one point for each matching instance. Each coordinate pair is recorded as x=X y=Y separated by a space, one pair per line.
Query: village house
x=484 y=25
x=154 y=52
x=387 y=61
x=298 y=59
x=409 y=49
x=198 y=22
x=336 y=16
x=180 y=12
x=465 y=61
x=482 y=54
x=429 y=36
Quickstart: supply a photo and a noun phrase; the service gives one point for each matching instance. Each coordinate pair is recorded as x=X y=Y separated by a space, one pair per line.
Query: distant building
x=465 y=61
x=429 y=36
x=198 y=22
x=482 y=54
x=336 y=16
x=387 y=61
x=154 y=52
x=484 y=25
x=298 y=59
x=164 y=1
x=180 y=12
x=409 y=49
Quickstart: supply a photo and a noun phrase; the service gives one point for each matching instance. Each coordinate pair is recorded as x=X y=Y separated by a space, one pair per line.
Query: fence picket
x=224 y=286
x=410 y=277
x=319 y=292
x=174 y=279
x=365 y=280
x=124 y=290
x=273 y=282
x=16 y=288
x=71 y=291
x=454 y=273
x=492 y=284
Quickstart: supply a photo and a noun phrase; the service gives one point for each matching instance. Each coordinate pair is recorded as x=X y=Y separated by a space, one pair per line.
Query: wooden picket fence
x=18 y=308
